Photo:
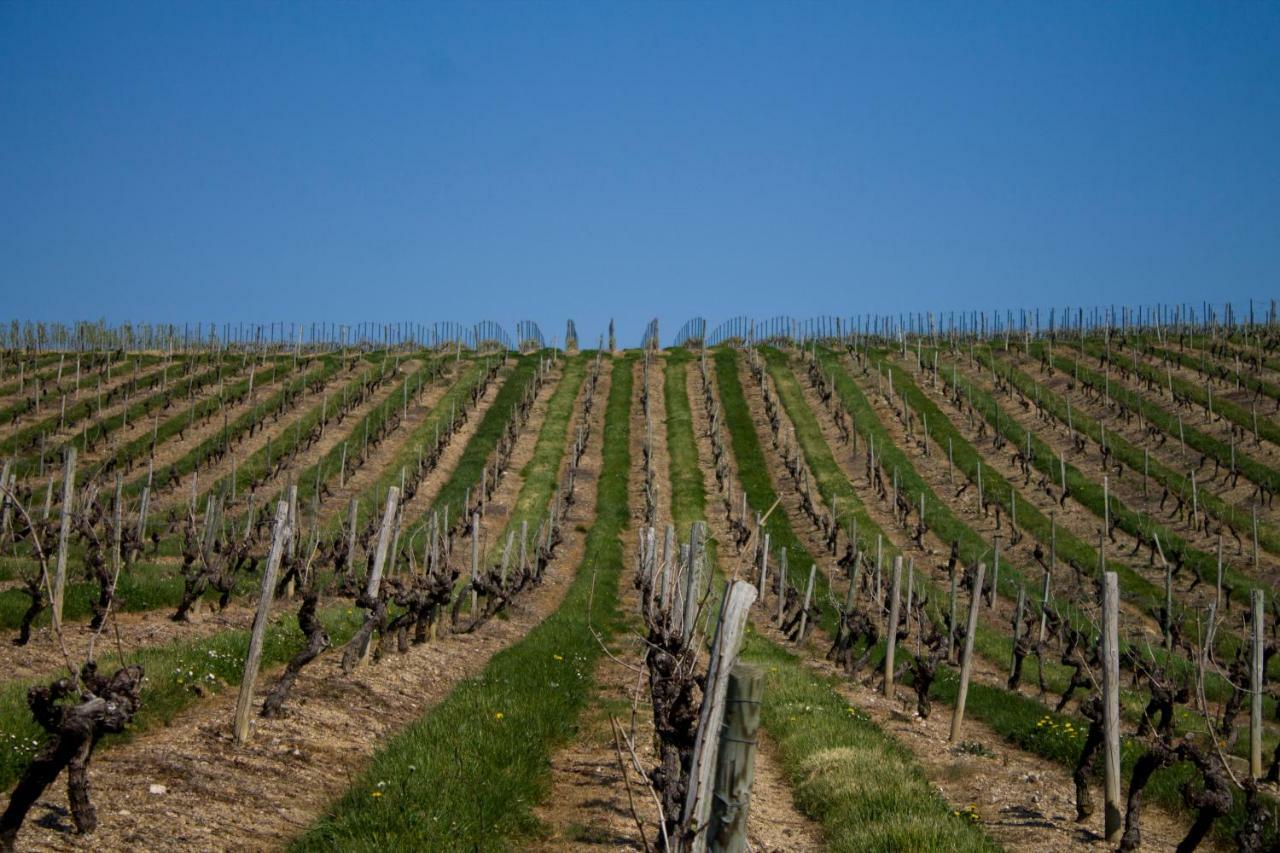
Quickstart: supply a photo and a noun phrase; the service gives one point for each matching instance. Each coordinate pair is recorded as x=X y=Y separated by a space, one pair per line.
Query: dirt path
x=933 y=468
x=1023 y=801
x=333 y=437
x=380 y=457
x=261 y=796
x=1081 y=520
x=244 y=446
x=172 y=449
x=43 y=656
x=51 y=407
x=589 y=807
x=413 y=510
x=502 y=502
x=1171 y=453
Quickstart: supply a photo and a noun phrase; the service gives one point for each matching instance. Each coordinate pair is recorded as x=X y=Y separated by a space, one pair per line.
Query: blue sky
x=379 y=161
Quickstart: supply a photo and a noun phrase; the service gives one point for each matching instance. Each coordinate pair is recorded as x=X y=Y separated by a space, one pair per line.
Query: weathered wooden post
x=253 y=660
x=1255 y=687
x=808 y=596
x=951 y=625
x=64 y=535
x=1111 y=704
x=475 y=557
x=1017 y=625
x=891 y=640
x=782 y=583
x=1217 y=593
x=380 y=558
x=735 y=761
x=734 y=610
x=966 y=659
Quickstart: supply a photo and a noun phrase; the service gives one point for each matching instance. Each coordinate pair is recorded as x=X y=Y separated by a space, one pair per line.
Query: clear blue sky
x=316 y=161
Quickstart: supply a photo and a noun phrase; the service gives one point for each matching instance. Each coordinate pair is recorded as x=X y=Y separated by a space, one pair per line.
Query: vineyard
x=918 y=583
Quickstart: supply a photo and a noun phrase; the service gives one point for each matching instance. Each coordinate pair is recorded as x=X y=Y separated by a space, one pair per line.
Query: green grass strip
x=367 y=503
x=1090 y=495
x=468 y=773
x=1238 y=517
x=1214 y=448
x=753 y=474
x=1205 y=363
x=1132 y=456
x=864 y=788
x=541 y=473
x=177 y=675
x=482 y=444
x=77 y=412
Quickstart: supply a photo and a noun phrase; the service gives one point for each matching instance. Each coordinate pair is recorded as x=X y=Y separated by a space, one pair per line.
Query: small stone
x=158 y=789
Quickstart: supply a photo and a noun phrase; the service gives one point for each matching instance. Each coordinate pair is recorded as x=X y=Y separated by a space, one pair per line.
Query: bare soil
x=260 y=796
x=1022 y=801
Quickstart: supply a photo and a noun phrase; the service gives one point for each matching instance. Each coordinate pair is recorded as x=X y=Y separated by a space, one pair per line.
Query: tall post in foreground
x=279 y=537
x=966 y=659
x=64 y=535
x=1111 y=704
x=734 y=609
x=736 y=759
x=891 y=641
x=1255 y=688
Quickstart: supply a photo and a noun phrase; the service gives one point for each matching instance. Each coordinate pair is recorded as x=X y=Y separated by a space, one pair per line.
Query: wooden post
x=891 y=640
x=995 y=570
x=64 y=535
x=951 y=630
x=1111 y=703
x=808 y=596
x=734 y=610
x=782 y=582
x=1167 y=626
x=1255 y=689
x=693 y=583
x=380 y=555
x=735 y=759
x=253 y=660
x=1017 y=622
x=764 y=569
x=475 y=556
x=1217 y=594
x=966 y=659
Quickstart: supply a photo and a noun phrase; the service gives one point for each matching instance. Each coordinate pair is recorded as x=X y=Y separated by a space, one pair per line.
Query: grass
x=858 y=783
x=466 y=475
x=1089 y=494
x=257 y=465
x=864 y=787
x=454 y=399
x=541 y=473
x=753 y=473
x=1268 y=429
x=177 y=676
x=467 y=774
x=1012 y=715
x=1156 y=414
